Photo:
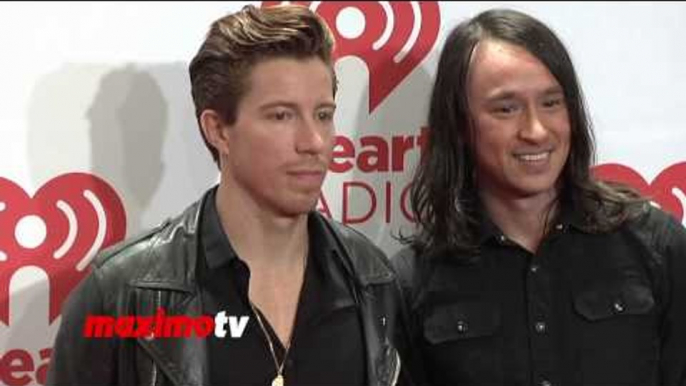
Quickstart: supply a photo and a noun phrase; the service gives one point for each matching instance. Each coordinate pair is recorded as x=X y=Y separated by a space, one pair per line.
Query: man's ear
x=215 y=130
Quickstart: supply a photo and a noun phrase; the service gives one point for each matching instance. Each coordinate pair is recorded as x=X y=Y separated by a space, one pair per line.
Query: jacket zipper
x=158 y=303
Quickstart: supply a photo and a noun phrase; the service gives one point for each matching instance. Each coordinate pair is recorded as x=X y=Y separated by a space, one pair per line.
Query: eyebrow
x=292 y=105
x=554 y=90
x=505 y=95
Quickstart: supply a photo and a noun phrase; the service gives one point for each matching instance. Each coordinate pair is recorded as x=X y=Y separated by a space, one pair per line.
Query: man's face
x=281 y=144
x=521 y=125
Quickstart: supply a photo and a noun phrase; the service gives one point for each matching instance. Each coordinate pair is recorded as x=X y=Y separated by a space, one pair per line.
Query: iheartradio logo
x=58 y=230
x=391 y=37
x=668 y=189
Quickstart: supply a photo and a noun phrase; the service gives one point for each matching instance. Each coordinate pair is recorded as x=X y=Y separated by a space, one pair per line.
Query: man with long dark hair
x=525 y=269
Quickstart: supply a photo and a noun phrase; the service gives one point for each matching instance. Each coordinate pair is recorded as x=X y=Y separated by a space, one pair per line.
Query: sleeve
x=407 y=339
x=673 y=335
x=77 y=360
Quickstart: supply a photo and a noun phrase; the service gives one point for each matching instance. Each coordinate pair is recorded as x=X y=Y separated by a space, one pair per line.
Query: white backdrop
x=98 y=137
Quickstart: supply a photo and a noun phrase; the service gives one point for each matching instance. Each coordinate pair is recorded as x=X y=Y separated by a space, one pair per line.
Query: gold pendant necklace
x=278 y=379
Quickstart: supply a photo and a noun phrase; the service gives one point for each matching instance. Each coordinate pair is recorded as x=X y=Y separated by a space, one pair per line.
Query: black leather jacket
x=158 y=270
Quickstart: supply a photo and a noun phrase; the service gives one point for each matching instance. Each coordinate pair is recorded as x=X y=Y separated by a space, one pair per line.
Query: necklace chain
x=279 y=378
x=279 y=367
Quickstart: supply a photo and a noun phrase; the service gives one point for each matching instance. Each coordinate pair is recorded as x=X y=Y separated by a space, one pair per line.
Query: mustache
x=321 y=166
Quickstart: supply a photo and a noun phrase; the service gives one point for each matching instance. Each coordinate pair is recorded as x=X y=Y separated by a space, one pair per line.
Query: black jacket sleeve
x=77 y=360
x=673 y=334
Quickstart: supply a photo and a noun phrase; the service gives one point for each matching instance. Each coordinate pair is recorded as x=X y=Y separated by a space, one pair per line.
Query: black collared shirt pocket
x=618 y=328
x=608 y=301
x=465 y=337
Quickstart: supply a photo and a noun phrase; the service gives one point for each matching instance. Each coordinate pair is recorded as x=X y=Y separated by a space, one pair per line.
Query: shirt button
x=533 y=268
x=462 y=326
x=559 y=227
x=540 y=327
x=546 y=382
x=502 y=238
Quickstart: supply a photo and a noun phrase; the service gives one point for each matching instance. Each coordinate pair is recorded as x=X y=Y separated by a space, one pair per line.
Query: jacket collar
x=173 y=254
x=355 y=251
x=178 y=242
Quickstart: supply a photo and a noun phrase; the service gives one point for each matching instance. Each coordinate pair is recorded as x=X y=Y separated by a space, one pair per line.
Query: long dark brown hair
x=444 y=196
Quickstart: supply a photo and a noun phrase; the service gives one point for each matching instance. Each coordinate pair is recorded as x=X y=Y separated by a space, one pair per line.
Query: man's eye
x=280 y=115
x=553 y=102
x=325 y=115
x=506 y=109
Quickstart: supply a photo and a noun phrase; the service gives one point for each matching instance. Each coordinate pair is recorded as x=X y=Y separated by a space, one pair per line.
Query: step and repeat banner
x=98 y=139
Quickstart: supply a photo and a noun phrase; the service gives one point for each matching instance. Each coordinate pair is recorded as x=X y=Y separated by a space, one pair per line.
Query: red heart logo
x=665 y=189
x=59 y=230
x=396 y=37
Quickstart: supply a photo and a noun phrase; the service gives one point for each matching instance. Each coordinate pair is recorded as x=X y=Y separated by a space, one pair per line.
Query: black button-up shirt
x=586 y=309
x=327 y=346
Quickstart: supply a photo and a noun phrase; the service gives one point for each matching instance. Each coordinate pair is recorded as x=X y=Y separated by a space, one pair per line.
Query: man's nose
x=533 y=129
x=312 y=137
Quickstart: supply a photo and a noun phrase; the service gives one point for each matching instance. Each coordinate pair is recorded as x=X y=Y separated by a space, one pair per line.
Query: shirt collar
x=219 y=251
x=569 y=216
x=217 y=247
x=487 y=228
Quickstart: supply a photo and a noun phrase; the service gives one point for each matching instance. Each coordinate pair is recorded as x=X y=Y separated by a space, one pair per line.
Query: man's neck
x=275 y=248
x=522 y=220
x=261 y=238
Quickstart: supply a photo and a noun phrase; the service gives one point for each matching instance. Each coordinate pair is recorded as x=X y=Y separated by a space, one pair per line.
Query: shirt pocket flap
x=461 y=321
x=605 y=302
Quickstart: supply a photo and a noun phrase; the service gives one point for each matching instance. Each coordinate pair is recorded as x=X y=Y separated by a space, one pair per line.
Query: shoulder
x=661 y=241
x=405 y=262
x=410 y=265
x=116 y=266
x=148 y=251
x=351 y=237
x=369 y=262
x=110 y=271
x=657 y=228
x=131 y=251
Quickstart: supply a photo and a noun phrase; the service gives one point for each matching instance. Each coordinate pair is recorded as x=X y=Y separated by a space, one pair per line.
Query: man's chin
x=300 y=206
